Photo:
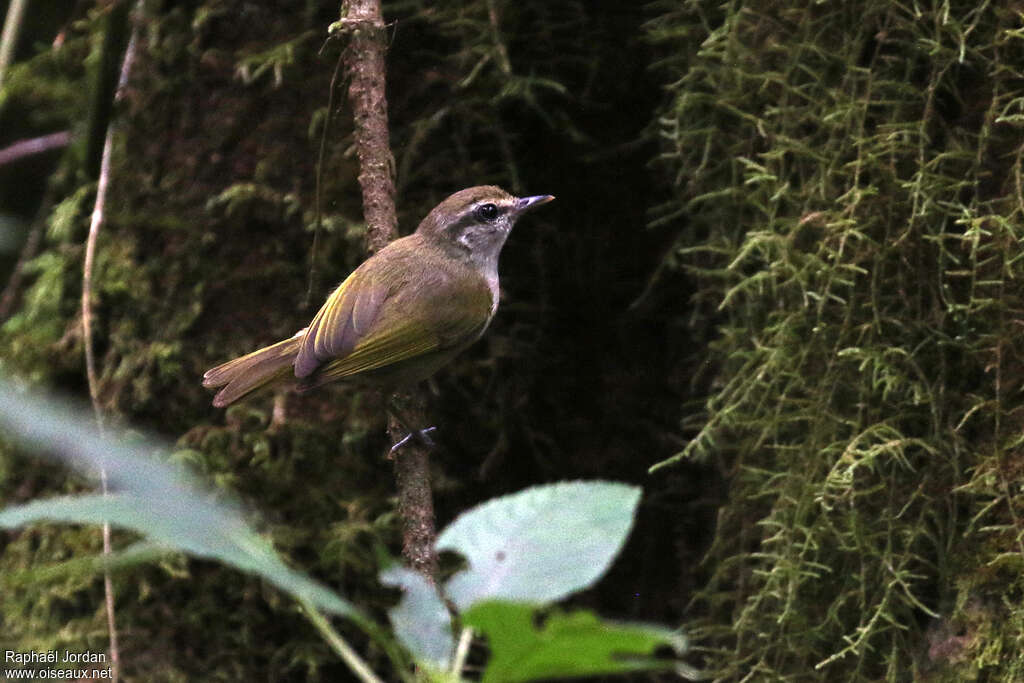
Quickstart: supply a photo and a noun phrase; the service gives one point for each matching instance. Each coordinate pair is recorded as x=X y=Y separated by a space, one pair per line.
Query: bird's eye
x=486 y=212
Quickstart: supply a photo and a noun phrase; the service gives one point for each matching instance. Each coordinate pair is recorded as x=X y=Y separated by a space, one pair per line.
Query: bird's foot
x=421 y=435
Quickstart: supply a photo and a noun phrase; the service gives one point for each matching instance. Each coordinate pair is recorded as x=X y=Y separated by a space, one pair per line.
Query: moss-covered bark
x=849 y=174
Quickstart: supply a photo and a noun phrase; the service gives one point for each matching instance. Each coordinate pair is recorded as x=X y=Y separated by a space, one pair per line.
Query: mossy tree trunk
x=850 y=176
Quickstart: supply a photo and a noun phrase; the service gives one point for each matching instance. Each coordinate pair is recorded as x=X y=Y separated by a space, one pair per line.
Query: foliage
x=847 y=178
x=524 y=650
x=162 y=503
x=538 y=545
x=421 y=620
x=146 y=496
x=515 y=571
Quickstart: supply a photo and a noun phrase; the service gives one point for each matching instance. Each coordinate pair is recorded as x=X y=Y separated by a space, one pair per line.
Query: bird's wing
x=371 y=325
x=344 y=319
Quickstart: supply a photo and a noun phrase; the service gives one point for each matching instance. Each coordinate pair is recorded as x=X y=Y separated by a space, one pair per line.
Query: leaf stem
x=339 y=645
x=462 y=651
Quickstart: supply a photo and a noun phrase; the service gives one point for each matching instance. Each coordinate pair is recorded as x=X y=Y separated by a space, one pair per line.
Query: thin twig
x=87 y=271
x=95 y=224
x=31 y=146
x=317 y=201
x=462 y=651
x=90 y=371
x=9 y=39
x=364 y=57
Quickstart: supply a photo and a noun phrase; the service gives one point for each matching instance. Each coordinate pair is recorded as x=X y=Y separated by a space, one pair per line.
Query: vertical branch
x=95 y=224
x=9 y=37
x=90 y=370
x=364 y=62
x=366 y=70
x=412 y=479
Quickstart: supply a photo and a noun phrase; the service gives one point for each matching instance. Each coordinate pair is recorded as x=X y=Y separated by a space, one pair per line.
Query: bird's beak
x=526 y=203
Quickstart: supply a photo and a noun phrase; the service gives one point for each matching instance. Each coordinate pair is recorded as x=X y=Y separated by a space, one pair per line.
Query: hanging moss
x=847 y=190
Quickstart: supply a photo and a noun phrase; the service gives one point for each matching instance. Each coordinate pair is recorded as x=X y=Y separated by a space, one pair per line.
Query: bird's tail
x=251 y=372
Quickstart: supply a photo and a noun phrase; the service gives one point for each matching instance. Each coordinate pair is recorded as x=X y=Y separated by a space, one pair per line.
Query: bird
x=402 y=314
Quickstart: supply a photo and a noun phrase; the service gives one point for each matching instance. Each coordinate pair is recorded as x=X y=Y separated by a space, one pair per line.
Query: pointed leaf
x=421 y=621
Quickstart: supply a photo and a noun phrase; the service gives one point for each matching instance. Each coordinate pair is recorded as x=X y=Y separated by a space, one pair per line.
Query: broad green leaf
x=541 y=544
x=420 y=620
x=148 y=496
x=567 y=644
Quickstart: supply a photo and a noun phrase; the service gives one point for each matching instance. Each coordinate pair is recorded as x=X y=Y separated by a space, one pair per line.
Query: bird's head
x=477 y=220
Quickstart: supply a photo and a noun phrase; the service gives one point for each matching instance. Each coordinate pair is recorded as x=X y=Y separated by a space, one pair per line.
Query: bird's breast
x=492 y=284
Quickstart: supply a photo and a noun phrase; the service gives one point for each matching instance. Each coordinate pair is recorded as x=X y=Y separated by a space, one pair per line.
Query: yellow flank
x=401 y=343
x=332 y=311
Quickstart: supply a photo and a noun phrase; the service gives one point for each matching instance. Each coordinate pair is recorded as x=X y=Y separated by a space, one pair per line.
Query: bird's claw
x=422 y=435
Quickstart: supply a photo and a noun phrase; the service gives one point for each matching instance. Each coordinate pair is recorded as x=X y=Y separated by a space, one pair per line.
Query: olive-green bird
x=403 y=313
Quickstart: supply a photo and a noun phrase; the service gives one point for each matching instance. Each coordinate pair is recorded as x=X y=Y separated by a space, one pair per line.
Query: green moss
x=274 y=60
x=44 y=92
x=853 y=225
